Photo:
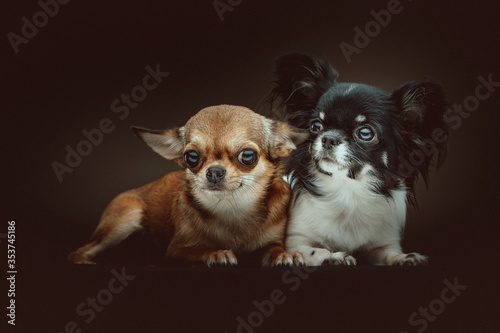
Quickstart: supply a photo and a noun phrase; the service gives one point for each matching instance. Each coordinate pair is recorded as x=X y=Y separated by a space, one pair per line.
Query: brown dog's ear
x=168 y=144
x=285 y=139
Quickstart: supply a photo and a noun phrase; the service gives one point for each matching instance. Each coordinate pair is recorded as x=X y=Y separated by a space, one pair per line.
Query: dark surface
x=330 y=299
x=65 y=79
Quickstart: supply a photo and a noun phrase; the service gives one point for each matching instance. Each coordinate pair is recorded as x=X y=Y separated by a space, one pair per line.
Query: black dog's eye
x=192 y=158
x=247 y=157
x=365 y=133
x=316 y=127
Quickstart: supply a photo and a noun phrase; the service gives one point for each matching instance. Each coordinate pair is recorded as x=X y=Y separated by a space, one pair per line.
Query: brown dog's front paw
x=410 y=259
x=221 y=258
x=289 y=259
x=78 y=258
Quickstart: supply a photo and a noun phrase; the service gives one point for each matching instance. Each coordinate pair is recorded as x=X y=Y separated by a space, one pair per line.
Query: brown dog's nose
x=215 y=174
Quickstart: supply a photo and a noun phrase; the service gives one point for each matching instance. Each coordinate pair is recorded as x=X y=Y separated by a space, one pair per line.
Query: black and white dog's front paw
x=410 y=259
x=340 y=258
x=323 y=257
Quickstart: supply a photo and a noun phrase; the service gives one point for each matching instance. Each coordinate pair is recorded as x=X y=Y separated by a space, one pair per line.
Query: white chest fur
x=235 y=224
x=349 y=217
x=230 y=208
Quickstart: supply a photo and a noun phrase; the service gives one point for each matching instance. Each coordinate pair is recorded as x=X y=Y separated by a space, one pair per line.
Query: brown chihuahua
x=231 y=199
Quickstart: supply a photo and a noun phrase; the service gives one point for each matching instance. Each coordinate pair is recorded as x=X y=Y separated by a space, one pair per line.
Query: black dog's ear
x=421 y=106
x=300 y=82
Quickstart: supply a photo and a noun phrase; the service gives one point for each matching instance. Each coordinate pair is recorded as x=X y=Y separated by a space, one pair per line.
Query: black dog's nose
x=328 y=141
x=215 y=174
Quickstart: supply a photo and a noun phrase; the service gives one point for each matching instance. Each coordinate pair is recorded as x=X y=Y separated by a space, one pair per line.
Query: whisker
x=354 y=158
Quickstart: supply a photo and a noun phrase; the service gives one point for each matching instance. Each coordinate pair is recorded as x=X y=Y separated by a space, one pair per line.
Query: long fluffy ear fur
x=168 y=144
x=300 y=81
x=421 y=106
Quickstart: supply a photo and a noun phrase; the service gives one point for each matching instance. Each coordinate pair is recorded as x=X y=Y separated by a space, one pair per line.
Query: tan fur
x=199 y=221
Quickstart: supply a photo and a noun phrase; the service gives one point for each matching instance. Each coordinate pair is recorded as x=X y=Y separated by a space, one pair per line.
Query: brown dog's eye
x=247 y=157
x=192 y=158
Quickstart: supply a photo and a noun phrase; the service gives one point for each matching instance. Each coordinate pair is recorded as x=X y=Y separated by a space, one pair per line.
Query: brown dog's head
x=226 y=149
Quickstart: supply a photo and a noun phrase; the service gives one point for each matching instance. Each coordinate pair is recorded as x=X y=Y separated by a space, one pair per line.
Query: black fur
x=408 y=122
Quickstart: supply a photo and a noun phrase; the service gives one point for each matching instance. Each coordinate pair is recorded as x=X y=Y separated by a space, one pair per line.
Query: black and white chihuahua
x=353 y=178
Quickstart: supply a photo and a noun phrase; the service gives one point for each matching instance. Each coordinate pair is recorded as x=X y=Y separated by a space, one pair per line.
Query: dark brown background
x=65 y=78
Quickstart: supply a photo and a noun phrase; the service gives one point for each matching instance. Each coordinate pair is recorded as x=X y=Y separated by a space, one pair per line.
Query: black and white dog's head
x=358 y=130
